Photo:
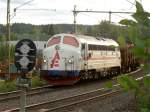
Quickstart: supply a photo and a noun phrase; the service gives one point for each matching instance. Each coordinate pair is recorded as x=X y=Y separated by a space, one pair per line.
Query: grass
x=11 y=86
x=36 y=81
x=7 y=86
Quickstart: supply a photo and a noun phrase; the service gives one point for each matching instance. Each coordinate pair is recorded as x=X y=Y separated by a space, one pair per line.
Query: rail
x=16 y=94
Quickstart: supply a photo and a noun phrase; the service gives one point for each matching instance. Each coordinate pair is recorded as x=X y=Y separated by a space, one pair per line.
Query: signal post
x=25 y=59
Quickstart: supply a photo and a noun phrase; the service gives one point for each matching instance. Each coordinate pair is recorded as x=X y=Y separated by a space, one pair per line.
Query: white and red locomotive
x=69 y=58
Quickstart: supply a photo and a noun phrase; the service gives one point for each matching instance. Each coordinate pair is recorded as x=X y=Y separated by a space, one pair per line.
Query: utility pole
x=8 y=35
x=75 y=14
x=109 y=16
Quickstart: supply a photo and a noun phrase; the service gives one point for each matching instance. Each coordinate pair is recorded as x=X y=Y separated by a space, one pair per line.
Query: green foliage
x=143 y=96
x=36 y=81
x=127 y=22
x=4 y=49
x=51 y=30
x=146 y=68
x=21 y=28
x=128 y=83
x=139 y=34
x=122 y=41
x=109 y=30
x=11 y=86
x=147 y=82
x=44 y=32
x=139 y=52
x=109 y=85
x=3 y=53
x=12 y=50
x=139 y=31
x=141 y=92
x=13 y=36
x=7 y=86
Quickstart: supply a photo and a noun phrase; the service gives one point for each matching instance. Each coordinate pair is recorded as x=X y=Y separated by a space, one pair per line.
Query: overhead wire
x=38 y=9
x=42 y=9
x=17 y=8
x=132 y=5
x=131 y=2
x=63 y=12
x=23 y=4
x=91 y=17
x=119 y=16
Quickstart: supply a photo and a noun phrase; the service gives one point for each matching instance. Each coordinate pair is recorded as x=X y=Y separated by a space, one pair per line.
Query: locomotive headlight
x=70 y=61
x=44 y=60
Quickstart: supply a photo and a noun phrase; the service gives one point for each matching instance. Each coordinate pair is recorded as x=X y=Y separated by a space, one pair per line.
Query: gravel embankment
x=123 y=102
x=53 y=95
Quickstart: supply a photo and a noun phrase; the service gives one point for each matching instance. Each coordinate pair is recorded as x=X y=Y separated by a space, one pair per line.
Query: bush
x=36 y=81
x=7 y=86
x=140 y=37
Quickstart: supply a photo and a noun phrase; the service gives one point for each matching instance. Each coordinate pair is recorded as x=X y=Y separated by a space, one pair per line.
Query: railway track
x=16 y=94
x=71 y=106
x=68 y=102
x=39 y=90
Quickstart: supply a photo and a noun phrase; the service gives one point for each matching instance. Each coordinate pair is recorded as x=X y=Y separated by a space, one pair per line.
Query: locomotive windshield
x=53 y=41
x=70 y=41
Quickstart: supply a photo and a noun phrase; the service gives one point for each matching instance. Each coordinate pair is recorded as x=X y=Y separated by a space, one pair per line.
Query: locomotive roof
x=96 y=40
x=91 y=40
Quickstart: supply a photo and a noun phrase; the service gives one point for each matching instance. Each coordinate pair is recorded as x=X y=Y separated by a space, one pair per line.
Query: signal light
x=25 y=55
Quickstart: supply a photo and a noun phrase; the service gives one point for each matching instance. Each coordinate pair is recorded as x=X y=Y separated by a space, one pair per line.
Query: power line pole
x=109 y=16
x=8 y=35
x=75 y=14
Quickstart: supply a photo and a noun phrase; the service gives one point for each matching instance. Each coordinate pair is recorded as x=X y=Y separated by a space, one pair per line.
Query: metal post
x=8 y=35
x=74 y=14
x=109 y=16
x=23 y=99
x=23 y=84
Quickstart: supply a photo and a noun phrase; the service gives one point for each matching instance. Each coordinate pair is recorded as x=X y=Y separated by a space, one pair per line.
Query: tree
x=3 y=53
x=139 y=35
x=51 y=30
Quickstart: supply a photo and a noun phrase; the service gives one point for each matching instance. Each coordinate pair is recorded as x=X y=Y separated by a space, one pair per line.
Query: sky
x=60 y=11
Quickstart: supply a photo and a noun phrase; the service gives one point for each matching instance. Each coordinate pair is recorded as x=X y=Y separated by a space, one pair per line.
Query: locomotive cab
x=61 y=60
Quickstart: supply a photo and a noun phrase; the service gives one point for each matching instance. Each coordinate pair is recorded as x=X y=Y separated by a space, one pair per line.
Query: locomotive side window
x=101 y=47
x=92 y=47
x=70 y=41
x=55 y=40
